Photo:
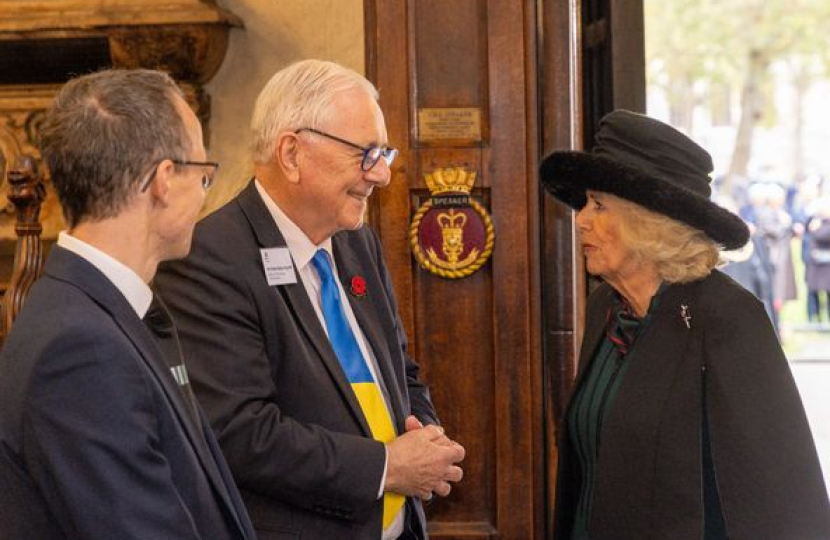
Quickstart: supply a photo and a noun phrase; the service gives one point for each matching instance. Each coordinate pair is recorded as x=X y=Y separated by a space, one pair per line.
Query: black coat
x=649 y=465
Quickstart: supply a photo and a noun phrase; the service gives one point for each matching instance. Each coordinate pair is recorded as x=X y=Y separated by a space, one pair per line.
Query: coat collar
x=659 y=353
x=68 y=267
x=676 y=306
x=650 y=364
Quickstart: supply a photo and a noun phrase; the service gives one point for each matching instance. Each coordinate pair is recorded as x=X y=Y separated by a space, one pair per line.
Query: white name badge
x=279 y=270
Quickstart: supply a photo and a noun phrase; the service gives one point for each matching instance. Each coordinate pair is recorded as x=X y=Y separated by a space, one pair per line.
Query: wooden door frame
x=562 y=273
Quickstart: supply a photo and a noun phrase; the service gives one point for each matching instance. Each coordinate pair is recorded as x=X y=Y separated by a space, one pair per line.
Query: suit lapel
x=68 y=267
x=366 y=311
x=167 y=340
x=154 y=358
x=268 y=235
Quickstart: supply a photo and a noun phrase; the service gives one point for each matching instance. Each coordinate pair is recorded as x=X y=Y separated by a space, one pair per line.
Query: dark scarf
x=621 y=325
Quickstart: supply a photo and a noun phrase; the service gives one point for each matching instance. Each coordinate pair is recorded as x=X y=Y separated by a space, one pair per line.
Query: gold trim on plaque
x=457 y=123
x=461 y=269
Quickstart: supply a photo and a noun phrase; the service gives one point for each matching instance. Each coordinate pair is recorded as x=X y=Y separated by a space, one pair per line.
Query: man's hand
x=412 y=423
x=422 y=461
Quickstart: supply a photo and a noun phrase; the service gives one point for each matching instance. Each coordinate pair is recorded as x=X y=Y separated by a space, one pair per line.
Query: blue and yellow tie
x=365 y=387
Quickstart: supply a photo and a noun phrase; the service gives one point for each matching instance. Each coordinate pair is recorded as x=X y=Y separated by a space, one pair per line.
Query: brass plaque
x=449 y=123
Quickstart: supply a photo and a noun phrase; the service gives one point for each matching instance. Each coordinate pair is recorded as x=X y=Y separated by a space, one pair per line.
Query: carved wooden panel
x=26 y=193
x=21 y=111
x=43 y=44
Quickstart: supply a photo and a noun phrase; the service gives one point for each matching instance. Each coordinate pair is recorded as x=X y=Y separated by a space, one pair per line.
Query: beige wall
x=276 y=33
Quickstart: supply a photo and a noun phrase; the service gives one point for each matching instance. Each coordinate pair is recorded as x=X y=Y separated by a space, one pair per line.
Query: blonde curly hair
x=679 y=252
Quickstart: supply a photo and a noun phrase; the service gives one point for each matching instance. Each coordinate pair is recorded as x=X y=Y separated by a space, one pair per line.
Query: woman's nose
x=582 y=219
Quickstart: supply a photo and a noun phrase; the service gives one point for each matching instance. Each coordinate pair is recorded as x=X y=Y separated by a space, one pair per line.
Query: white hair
x=299 y=96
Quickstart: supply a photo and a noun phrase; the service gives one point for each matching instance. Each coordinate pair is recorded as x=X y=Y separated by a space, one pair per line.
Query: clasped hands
x=423 y=461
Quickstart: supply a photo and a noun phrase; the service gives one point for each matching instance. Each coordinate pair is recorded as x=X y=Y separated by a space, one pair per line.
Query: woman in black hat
x=685 y=422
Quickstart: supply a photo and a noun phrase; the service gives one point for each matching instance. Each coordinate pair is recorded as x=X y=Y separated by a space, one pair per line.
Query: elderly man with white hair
x=291 y=326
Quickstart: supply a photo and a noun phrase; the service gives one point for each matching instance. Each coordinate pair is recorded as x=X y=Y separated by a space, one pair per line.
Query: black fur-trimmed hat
x=651 y=164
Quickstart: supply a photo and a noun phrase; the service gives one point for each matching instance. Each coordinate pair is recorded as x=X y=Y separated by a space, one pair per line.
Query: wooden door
x=478 y=338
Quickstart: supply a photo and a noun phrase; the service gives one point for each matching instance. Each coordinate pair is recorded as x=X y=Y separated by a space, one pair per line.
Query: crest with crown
x=451 y=234
x=452 y=180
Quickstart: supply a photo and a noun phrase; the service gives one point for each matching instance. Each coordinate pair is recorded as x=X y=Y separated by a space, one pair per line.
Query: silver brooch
x=685 y=315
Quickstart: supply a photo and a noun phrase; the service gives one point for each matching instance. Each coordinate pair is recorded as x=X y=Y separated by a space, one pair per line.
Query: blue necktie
x=367 y=391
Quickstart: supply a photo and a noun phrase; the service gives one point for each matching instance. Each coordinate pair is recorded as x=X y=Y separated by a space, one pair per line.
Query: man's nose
x=380 y=174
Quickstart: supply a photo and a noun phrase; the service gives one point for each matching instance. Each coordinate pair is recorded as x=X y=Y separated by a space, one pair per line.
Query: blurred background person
x=817 y=259
x=751 y=267
x=774 y=225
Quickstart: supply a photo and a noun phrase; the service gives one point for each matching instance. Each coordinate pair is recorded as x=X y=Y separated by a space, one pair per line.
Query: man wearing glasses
x=100 y=435
x=291 y=330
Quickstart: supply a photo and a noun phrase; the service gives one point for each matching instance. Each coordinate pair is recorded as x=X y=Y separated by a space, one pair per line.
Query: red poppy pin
x=358 y=287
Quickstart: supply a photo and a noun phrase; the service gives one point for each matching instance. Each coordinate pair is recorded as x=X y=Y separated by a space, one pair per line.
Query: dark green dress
x=595 y=397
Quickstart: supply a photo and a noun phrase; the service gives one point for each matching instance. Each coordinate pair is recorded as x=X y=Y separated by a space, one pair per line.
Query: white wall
x=276 y=33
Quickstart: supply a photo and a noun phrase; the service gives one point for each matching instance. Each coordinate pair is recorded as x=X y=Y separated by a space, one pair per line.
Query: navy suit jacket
x=263 y=368
x=96 y=439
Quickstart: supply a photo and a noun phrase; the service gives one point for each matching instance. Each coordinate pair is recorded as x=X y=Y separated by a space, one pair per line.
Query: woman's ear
x=288 y=155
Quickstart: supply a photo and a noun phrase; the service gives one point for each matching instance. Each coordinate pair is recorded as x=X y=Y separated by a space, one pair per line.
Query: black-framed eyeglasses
x=371 y=154
x=207 y=176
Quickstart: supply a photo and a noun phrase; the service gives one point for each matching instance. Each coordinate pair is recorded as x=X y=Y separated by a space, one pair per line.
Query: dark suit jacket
x=262 y=366
x=649 y=469
x=96 y=441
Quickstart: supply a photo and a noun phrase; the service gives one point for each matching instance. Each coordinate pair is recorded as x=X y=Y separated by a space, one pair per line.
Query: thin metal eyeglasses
x=371 y=154
x=207 y=177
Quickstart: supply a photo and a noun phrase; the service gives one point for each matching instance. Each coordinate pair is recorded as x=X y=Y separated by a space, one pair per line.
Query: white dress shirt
x=137 y=293
x=302 y=250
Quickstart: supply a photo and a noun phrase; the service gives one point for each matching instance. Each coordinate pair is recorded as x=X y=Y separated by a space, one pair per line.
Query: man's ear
x=288 y=155
x=159 y=188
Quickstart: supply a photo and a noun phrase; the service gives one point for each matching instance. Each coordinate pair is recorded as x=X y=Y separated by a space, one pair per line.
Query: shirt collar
x=302 y=249
x=138 y=294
